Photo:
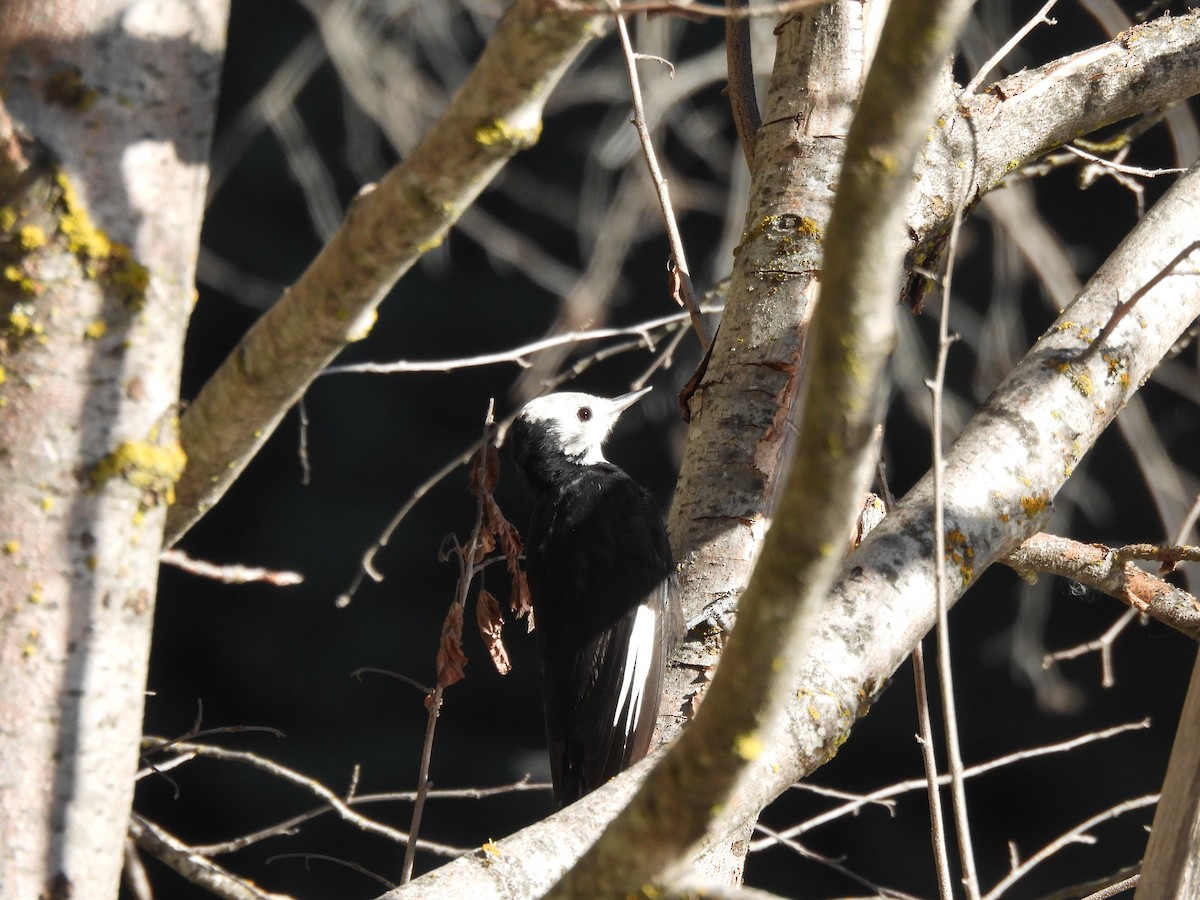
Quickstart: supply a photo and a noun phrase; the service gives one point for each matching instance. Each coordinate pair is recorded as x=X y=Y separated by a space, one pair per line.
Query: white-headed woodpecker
x=601 y=580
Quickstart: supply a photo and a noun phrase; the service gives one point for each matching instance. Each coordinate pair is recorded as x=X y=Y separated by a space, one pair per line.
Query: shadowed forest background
x=286 y=164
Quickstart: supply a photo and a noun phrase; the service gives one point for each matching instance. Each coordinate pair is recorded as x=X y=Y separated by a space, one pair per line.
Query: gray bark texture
x=105 y=126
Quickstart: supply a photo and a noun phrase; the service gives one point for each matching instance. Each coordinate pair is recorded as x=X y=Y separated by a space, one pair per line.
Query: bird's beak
x=622 y=403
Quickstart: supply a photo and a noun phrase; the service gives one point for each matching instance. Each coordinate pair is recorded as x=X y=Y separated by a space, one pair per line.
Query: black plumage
x=601 y=579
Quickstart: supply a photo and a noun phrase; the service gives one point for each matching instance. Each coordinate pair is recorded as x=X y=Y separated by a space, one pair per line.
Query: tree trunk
x=106 y=124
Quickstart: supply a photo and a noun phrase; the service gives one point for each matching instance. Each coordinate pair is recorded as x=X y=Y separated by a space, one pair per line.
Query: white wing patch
x=638 y=661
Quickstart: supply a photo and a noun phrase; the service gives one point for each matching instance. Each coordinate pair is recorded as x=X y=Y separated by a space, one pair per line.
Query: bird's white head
x=578 y=423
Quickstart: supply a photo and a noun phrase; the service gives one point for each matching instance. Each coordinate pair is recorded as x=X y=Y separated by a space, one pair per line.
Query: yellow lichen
x=32 y=237
x=95 y=330
x=499 y=132
x=46 y=503
x=1034 y=505
x=491 y=849
x=145 y=465
x=16 y=275
x=127 y=275
x=960 y=552
x=748 y=746
x=11 y=548
x=36 y=595
x=432 y=244
x=8 y=218
x=21 y=323
x=83 y=238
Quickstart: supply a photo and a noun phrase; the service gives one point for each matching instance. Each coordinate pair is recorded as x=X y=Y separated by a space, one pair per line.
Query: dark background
x=255 y=655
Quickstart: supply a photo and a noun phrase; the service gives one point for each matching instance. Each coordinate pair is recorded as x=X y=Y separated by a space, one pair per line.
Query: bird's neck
x=544 y=472
x=539 y=455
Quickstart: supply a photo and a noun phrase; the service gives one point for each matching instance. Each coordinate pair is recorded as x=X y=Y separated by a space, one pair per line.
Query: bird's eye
x=584 y=413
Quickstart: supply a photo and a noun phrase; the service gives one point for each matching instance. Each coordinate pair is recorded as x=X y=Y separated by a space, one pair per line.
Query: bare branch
x=1108 y=570
x=998 y=57
x=519 y=355
x=234 y=574
x=336 y=803
x=937 y=824
x=958 y=794
x=1075 y=835
x=883 y=795
x=195 y=868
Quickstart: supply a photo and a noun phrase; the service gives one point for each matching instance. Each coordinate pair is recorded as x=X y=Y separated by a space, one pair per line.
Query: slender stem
x=469 y=567
x=685 y=294
x=739 y=61
x=998 y=56
x=954 y=762
x=423 y=785
x=1124 y=308
x=937 y=825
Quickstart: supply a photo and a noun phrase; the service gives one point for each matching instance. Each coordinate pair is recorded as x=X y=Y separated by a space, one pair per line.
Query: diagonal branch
x=496 y=114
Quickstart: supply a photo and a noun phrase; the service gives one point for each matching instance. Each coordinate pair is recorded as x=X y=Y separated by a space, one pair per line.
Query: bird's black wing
x=600 y=573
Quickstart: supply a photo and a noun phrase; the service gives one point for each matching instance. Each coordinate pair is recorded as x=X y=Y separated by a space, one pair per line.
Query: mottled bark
x=107 y=120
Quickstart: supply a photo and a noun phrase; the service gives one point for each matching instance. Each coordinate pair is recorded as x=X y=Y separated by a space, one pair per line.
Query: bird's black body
x=600 y=575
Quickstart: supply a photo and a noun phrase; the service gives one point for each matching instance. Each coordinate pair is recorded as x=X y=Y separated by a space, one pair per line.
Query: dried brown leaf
x=485 y=470
x=521 y=603
x=451 y=660
x=490 y=621
x=506 y=533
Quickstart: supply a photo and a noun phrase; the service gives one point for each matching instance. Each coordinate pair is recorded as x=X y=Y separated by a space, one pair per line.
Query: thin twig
x=423 y=783
x=1123 y=309
x=1171 y=554
x=686 y=294
x=200 y=871
x=519 y=355
x=833 y=864
x=998 y=57
x=1103 y=644
x=937 y=825
x=1189 y=521
x=1112 y=890
x=954 y=762
x=289 y=825
x=1099 y=888
x=916 y=784
x=283 y=772
x=469 y=565
x=1075 y=835
x=1121 y=167
x=739 y=61
x=232 y=574
x=302 y=450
